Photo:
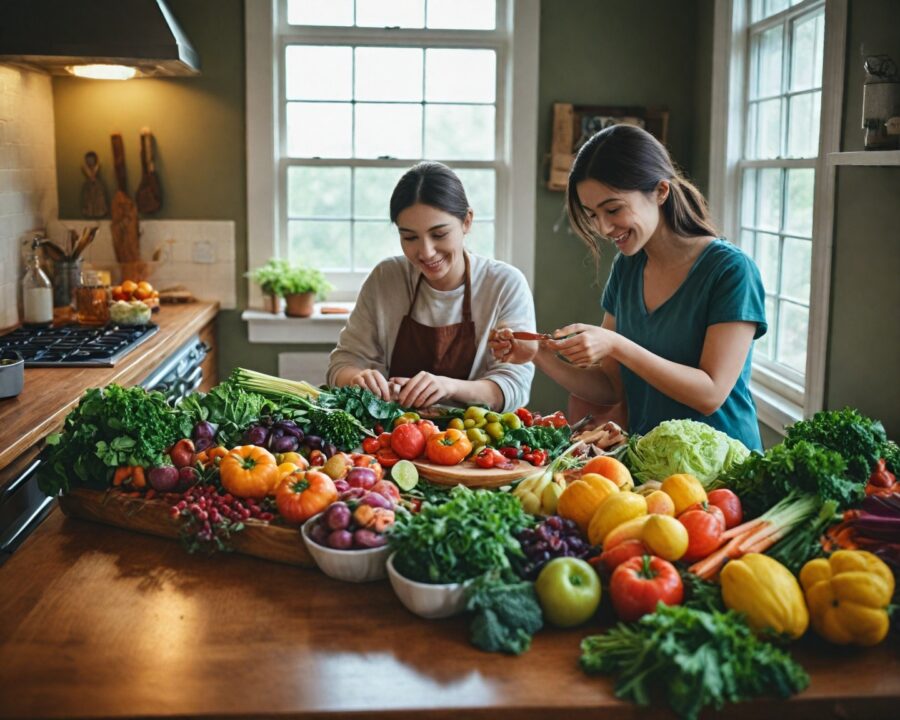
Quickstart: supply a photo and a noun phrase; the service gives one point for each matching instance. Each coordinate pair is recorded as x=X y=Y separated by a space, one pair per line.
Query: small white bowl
x=363 y=565
x=425 y=599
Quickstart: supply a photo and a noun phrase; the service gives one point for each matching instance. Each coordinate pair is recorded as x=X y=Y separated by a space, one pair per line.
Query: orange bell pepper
x=450 y=447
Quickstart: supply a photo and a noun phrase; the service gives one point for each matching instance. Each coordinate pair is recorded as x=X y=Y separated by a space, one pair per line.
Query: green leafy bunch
x=470 y=534
x=692 y=659
x=270 y=277
x=227 y=406
x=362 y=404
x=861 y=441
x=507 y=613
x=300 y=279
x=553 y=440
x=109 y=428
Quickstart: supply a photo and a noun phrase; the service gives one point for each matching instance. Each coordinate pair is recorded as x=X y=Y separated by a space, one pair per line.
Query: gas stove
x=76 y=345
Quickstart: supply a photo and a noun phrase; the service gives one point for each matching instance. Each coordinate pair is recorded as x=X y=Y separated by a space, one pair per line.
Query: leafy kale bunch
x=461 y=539
x=506 y=613
x=227 y=406
x=693 y=659
x=860 y=440
x=553 y=440
x=109 y=428
x=762 y=480
x=362 y=404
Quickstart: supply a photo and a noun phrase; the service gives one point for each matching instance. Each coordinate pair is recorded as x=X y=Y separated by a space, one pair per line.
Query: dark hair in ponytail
x=626 y=157
x=430 y=183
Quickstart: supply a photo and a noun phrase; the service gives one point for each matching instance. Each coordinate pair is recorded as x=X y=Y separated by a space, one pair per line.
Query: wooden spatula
x=149 y=194
x=124 y=225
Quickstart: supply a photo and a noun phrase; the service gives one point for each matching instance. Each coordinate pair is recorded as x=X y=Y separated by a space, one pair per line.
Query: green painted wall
x=612 y=52
x=864 y=341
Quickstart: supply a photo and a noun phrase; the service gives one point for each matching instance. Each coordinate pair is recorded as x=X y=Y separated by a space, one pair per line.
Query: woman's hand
x=505 y=348
x=423 y=389
x=374 y=382
x=587 y=346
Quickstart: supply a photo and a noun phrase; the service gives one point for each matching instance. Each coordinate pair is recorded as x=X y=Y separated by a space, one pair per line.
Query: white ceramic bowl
x=424 y=599
x=363 y=565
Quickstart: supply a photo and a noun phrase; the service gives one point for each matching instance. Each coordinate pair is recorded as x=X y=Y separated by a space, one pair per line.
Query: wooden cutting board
x=124 y=225
x=469 y=474
x=151 y=517
x=149 y=194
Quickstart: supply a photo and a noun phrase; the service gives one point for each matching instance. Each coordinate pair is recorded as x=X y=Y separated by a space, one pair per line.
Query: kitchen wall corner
x=28 y=194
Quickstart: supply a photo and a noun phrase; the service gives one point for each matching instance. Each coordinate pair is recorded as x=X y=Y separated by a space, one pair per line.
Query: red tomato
x=387 y=457
x=427 y=427
x=729 y=504
x=408 y=441
x=384 y=439
x=370 y=445
x=638 y=584
x=705 y=528
x=616 y=555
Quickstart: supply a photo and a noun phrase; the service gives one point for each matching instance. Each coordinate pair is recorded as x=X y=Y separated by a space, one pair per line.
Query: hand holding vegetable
x=506 y=348
x=423 y=389
x=374 y=382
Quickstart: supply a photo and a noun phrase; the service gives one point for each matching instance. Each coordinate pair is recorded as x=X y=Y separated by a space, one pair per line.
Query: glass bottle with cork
x=92 y=299
x=37 y=292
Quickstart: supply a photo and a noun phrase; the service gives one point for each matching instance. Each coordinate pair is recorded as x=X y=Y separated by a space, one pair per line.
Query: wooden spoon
x=124 y=225
x=149 y=194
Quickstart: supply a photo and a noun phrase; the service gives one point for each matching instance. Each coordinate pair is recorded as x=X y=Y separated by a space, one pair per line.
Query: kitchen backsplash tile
x=27 y=174
x=198 y=254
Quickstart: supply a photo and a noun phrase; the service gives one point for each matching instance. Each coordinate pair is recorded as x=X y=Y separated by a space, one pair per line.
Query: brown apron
x=448 y=350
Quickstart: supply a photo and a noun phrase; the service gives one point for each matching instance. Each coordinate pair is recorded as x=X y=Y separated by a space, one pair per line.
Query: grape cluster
x=552 y=538
x=210 y=518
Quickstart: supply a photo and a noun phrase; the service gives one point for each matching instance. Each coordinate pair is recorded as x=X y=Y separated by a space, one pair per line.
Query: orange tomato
x=248 y=471
x=304 y=494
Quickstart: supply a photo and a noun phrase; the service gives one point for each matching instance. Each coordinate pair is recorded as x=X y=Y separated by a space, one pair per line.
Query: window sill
x=318 y=328
x=773 y=410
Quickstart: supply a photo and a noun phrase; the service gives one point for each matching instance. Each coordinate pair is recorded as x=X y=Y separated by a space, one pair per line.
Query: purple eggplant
x=313 y=442
x=256 y=435
x=204 y=429
x=283 y=444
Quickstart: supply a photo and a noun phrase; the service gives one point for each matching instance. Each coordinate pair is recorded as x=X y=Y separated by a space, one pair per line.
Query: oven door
x=181 y=373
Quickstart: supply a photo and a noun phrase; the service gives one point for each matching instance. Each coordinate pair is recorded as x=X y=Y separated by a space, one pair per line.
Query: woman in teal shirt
x=683 y=307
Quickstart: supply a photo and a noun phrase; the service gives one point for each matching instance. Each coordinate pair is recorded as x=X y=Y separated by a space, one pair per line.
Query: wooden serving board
x=270 y=542
x=469 y=474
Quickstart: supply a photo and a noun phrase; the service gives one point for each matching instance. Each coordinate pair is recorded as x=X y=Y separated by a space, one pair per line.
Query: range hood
x=59 y=35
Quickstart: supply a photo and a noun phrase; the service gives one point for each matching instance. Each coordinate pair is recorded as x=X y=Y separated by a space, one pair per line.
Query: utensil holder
x=66 y=277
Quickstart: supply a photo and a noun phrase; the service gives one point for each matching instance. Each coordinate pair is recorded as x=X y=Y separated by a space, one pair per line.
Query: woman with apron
x=419 y=330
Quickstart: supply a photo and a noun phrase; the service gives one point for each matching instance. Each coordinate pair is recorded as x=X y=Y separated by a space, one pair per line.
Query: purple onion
x=318 y=533
x=362 y=477
x=203 y=443
x=204 y=429
x=340 y=539
x=341 y=485
x=338 y=516
x=286 y=443
x=313 y=442
x=377 y=500
x=330 y=449
x=256 y=435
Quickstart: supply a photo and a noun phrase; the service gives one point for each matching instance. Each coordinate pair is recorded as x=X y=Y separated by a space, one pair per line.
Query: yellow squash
x=848 y=595
x=612 y=512
x=581 y=499
x=685 y=490
x=767 y=592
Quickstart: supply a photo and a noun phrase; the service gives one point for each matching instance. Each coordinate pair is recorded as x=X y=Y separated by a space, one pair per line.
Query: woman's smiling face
x=433 y=241
x=628 y=218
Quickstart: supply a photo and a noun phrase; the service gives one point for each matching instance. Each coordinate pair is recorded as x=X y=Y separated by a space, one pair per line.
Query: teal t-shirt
x=724 y=285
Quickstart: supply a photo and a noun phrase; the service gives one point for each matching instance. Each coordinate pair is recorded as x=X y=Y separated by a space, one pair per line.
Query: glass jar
x=92 y=299
x=37 y=293
x=66 y=277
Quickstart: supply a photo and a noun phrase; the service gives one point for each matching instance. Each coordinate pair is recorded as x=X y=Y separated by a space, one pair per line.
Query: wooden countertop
x=50 y=393
x=101 y=622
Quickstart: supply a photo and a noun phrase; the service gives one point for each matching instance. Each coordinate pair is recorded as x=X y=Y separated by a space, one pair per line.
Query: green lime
x=405 y=474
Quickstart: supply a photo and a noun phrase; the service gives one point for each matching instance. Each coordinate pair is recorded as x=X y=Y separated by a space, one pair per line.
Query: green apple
x=569 y=591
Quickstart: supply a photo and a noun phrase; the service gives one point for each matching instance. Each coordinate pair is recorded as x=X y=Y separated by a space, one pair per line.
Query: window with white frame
x=785 y=42
x=364 y=89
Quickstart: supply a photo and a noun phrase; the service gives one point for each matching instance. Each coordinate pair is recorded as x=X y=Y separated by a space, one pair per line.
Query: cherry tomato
x=370 y=445
x=384 y=439
x=485 y=459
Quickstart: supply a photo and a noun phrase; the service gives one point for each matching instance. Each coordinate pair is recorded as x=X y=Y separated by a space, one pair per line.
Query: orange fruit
x=129 y=286
x=611 y=468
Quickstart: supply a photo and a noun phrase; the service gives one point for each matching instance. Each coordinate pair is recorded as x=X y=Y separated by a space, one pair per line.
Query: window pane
x=318 y=192
x=319 y=72
x=748 y=198
x=747 y=242
x=795 y=269
x=767 y=260
x=806 y=52
x=775 y=6
x=479 y=186
x=462 y=14
x=459 y=132
x=372 y=190
x=319 y=129
x=390 y=13
x=766 y=71
x=322 y=244
x=764 y=345
x=393 y=74
x=393 y=131
x=793 y=322
x=768 y=216
x=316 y=12
x=481 y=239
x=768 y=129
x=803 y=127
x=373 y=241
x=460 y=75
x=799 y=216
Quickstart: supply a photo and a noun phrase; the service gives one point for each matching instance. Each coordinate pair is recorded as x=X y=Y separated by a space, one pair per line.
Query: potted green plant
x=300 y=287
x=270 y=278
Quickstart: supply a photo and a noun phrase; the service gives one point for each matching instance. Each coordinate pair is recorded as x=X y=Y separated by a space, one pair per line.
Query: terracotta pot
x=300 y=304
x=272 y=303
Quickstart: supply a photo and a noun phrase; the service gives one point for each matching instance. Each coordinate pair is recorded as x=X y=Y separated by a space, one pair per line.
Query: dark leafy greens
x=507 y=614
x=111 y=427
x=470 y=534
x=227 y=406
x=365 y=406
x=691 y=658
x=553 y=440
